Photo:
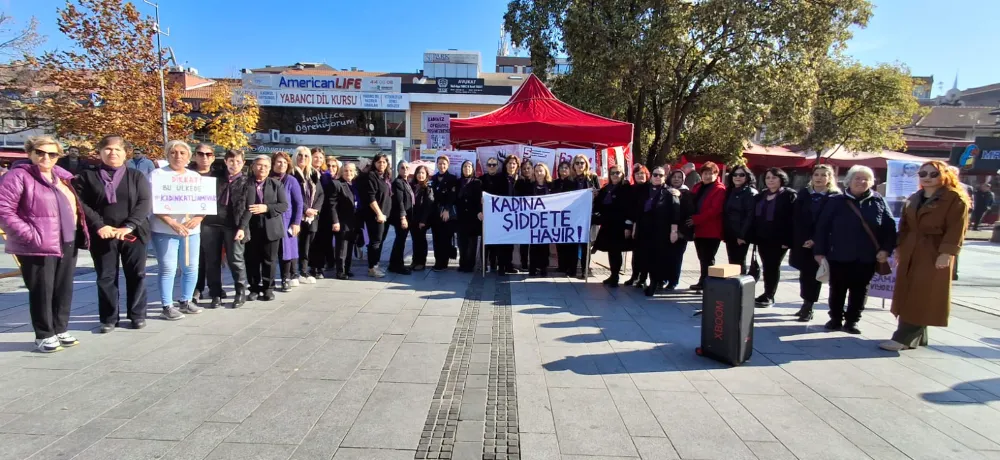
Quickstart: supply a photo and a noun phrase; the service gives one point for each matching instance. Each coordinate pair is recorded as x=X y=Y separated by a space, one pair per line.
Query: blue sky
x=219 y=37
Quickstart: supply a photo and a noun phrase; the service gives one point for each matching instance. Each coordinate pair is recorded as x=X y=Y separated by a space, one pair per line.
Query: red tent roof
x=533 y=115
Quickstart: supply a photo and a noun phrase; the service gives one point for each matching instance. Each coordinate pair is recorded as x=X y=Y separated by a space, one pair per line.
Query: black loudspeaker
x=727 y=319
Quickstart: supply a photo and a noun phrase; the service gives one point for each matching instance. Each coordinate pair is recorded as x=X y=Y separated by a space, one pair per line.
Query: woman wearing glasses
x=685 y=230
x=538 y=265
x=292 y=219
x=738 y=215
x=376 y=205
x=325 y=253
x=563 y=183
x=400 y=217
x=489 y=181
x=657 y=228
x=931 y=232
x=612 y=208
x=581 y=178
x=312 y=203
x=808 y=206
x=45 y=226
x=504 y=186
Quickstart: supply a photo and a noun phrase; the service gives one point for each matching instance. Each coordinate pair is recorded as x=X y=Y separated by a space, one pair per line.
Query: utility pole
x=159 y=65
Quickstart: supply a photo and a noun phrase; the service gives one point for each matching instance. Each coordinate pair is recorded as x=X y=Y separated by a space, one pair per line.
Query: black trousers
x=490 y=257
x=849 y=282
x=676 y=257
x=262 y=255
x=375 y=232
x=468 y=247
x=737 y=254
x=305 y=247
x=225 y=238
x=635 y=263
x=398 y=246
x=615 y=259
x=442 y=232
x=343 y=255
x=706 y=249
x=771 y=256
x=577 y=256
x=809 y=288
x=977 y=218
x=108 y=256
x=321 y=252
x=50 y=290
x=538 y=257
x=419 y=237
x=199 y=285
x=524 y=254
x=505 y=257
x=565 y=252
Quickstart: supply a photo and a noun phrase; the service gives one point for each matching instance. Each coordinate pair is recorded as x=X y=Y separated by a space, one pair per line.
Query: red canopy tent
x=845 y=158
x=534 y=116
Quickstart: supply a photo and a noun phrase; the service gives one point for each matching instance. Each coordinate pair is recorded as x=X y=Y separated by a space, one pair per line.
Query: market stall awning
x=534 y=116
x=843 y=157
x=759 y=156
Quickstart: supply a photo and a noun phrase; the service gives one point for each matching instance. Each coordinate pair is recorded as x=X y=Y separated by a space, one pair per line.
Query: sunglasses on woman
x=933 y=174
x=657 y=175
x=43 y=153
x=739 y=174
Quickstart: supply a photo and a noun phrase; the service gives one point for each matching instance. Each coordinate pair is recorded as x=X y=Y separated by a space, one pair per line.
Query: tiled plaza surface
x=450 y=365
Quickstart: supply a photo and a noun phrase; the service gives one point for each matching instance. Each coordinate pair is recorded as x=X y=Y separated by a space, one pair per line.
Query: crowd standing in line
x=290 y=220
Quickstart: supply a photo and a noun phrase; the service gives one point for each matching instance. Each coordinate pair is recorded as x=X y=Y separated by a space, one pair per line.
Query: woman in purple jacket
x=292 y=219
x=44 y=222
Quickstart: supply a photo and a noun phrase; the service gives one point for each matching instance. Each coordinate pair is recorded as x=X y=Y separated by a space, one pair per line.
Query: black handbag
x=754 y=270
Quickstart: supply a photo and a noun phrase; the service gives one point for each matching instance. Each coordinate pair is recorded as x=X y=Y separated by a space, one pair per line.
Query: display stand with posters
x=902 y=181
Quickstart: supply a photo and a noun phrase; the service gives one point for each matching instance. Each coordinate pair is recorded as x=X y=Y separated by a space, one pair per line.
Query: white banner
x=558 y=218
x=178 y=194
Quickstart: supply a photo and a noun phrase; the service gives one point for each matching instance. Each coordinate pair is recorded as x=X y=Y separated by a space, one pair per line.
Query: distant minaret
x=503 y=48
x=954 y=86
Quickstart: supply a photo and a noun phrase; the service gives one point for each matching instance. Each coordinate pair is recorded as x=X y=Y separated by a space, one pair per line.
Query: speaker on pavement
x=727 y=319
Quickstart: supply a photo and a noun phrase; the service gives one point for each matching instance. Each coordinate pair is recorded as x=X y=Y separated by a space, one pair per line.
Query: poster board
x=901 y=182
x=556 y=218
x=184 y=194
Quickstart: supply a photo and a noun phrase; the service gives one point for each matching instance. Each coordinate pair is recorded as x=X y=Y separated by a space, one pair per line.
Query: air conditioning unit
x=275 y=135
x=288 y=140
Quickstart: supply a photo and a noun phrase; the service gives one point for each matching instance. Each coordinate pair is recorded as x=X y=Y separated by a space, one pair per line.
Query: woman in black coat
x=612 y=211
x=523 y=187
x=343 y=205
x=469 y=207
x=809 y=205
x=504 y=186
x=312 y=202
x=560 y=184
x=488 y=181
x=737 y=215
x=657 y=228
x=400 y=217
x=640 y=176
x=581 y=178
x=424 y=211
x=771 y=230
x=538 y=265
x=376 y=205
x=684 y=231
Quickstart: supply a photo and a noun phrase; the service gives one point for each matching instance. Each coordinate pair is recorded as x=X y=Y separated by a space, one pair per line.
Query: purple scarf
x=225 y=195
x=653 y=192
x=610 y=195
x=260 y=190
x=766 y=206
x=111 y=181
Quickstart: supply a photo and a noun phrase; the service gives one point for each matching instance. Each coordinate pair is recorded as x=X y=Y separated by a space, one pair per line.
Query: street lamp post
x=159 y=65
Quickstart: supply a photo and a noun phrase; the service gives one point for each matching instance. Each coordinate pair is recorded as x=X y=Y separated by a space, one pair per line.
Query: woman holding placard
x=581 y=178
x=504 y=186
x=563 y=183
x=538 y=264
x=524 y=187
x=312 y=202
x=656 y=228
x=176 y=237
x=291 y=218
x=423 y=214
x=469 y=206
x=612 y=212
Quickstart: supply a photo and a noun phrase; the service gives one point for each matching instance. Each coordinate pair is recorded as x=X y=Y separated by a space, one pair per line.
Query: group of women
x=300 y=216
x=842 y=238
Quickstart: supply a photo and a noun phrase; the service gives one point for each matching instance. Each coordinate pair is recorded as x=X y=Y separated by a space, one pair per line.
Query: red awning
x=534 y=116
x=845 y=158
x=759 y=156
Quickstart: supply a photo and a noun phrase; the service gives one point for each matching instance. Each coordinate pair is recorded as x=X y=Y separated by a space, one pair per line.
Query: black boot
x=631 y=279
x=805 y=313
x=611 y=281
x=239 y=299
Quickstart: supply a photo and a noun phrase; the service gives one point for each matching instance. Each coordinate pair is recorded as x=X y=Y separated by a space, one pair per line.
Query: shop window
x=507 y=69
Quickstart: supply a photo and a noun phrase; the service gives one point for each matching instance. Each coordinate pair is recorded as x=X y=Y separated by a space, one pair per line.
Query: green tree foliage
x=697 y=76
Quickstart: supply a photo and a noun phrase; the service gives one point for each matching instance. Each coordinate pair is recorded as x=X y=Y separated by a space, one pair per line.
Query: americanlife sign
x=557 y=218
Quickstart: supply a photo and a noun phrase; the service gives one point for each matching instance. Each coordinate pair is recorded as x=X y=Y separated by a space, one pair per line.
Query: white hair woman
x=176 y=237
x=312 y=202
x=855 y=233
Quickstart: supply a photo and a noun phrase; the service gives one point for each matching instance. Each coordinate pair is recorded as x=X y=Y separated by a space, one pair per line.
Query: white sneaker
x=294 y=282
x=49 y=345
x=67 y=340
x=891 y=345
x=375 y=272
x=309 y=280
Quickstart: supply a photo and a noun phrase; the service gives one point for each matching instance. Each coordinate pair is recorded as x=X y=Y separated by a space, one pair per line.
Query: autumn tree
x=17 y=78
x=692 y=76
x=109 y=81
x=229 y=118
x=856 y=107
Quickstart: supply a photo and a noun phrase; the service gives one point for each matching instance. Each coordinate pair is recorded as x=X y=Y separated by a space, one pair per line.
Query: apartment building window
x=527 y=69
x=423 y=128
x=507 y=69
x=562 y=69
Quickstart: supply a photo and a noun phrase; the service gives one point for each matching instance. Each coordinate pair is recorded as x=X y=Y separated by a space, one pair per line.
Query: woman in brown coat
x=930 y=235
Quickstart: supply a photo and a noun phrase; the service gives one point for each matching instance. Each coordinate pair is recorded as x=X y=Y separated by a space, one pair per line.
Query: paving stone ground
x=461 y=366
